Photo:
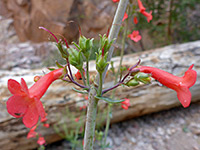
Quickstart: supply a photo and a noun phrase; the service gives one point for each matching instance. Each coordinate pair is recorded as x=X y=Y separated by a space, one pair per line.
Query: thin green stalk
x=87 y=73
x=83 y=77
x=109 y=111
x=92 y=105
x=100 y=84
x=108 y=117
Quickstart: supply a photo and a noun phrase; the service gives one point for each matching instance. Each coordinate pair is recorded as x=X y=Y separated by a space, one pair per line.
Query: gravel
x=174 y=129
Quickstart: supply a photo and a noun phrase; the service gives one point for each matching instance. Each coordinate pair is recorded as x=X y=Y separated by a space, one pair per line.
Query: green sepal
x=63 y=52
x=109 y=100
x=75 y=58
x=59 y=65
x=82 y=92
x=51 y=69
x=76 y=45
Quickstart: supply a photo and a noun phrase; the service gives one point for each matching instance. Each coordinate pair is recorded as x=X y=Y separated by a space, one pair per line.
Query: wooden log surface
x=144 y=99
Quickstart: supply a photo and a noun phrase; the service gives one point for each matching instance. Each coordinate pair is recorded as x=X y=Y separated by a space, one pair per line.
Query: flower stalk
x=92 y=105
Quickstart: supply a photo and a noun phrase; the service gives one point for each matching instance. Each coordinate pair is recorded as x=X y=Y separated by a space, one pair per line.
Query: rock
x=26 y=55
x=8 y=33
x=61 y=17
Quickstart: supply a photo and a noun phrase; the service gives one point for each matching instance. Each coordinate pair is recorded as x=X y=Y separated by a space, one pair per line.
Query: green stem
x=99 y=93
x=92 y=105
x=108 y=117
x=116 y=78
x=90 y=120
x=87 y=73
x=83 y=77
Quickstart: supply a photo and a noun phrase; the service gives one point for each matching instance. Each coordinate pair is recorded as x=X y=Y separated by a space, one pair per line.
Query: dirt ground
x=174 y=129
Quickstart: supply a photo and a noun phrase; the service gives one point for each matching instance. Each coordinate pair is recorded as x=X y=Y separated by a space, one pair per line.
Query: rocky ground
x=174 y=129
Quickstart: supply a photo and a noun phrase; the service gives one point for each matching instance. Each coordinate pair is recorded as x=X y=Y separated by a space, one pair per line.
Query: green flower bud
x=85 y=46
x=75 y=58
x=132 y=82
x=101 y=62
x=105 y=43
x=142 y=77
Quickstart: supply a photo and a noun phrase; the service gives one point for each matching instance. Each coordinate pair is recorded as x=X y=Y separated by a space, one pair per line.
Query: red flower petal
x=24 y=86
x=40 y=109
x=14 y=87
x=190 y=77
x=184 y=96
x=31 y=116
x=17 y=106
x=41 y=141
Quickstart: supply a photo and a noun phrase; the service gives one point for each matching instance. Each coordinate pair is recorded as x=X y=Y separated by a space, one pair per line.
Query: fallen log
x=144 y=99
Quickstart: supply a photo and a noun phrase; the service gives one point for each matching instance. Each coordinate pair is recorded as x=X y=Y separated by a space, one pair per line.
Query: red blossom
x=142 y=8
x=78 y=75
x=115 y=1
x=148 y=15
x=135 y=20
x=180 y=84
x=41 y=140
x=125 y=104
x=125 y=16
x=26 y=102
x=135 y=36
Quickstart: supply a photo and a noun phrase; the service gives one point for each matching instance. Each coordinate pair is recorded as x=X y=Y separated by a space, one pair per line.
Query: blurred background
x=24 y=49
x=174 y=21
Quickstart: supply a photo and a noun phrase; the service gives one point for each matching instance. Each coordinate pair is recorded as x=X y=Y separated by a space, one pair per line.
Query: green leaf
x=82 y=92
x=109 y=100
x=51 y=69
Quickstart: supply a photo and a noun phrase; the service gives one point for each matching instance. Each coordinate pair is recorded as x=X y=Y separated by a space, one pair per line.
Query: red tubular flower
x=141 y=6
x=135 y=20
x=125 y=104
x=26 y=102
x=148 y=15
x=180 y=84
x=125 y=16
x=135 y=36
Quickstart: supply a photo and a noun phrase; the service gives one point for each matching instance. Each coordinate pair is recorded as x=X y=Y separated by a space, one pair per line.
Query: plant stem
x=108 y=117
x=90 y=120
x=116 y=78
x=87 y=73
x=99 y=93
x=92 y=105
